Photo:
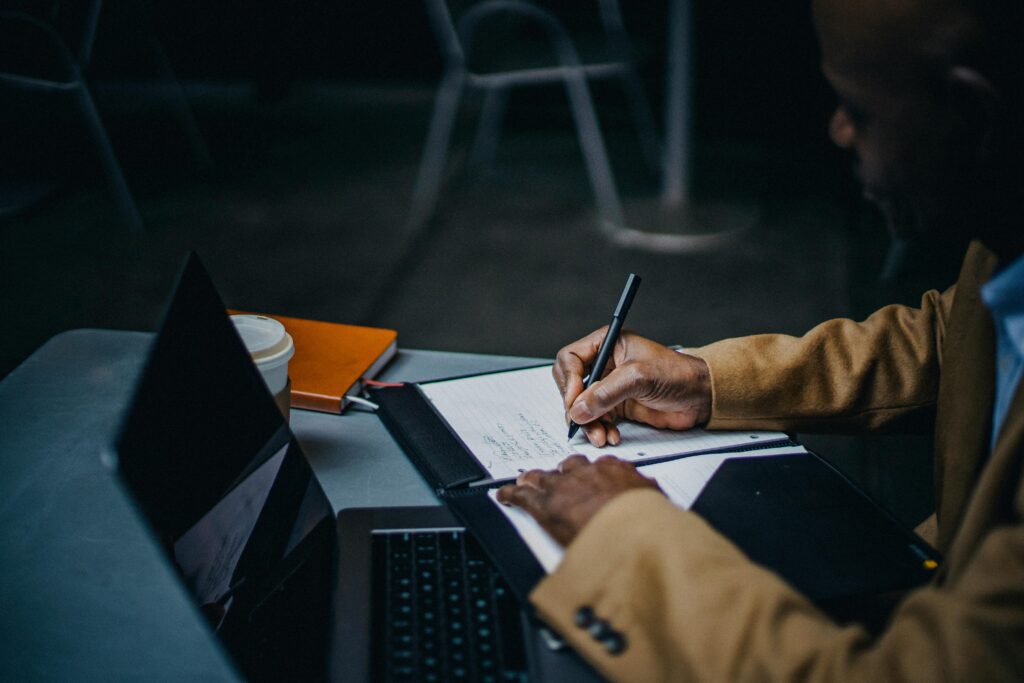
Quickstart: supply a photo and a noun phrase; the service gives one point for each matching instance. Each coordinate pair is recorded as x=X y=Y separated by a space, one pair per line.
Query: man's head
x=928 y=95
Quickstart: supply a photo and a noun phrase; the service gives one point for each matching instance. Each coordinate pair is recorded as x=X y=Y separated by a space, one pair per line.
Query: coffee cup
x=271 y=348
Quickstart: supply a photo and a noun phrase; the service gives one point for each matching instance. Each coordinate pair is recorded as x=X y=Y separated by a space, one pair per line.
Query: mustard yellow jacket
x=690 y=606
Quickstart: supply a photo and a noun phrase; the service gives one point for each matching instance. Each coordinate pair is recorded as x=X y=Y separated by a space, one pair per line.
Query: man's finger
x=573 y=462
x=538 y=479
x=569 y=378
x=612 y=435
x=611 y=432
x=572 y=362
x=574 y=359
x=678 y=420
x=504 y=492
x=525 y=497
x=620 y=385
x=596 y=433
x=573 y=388
x=567 y=365
x=529 y=478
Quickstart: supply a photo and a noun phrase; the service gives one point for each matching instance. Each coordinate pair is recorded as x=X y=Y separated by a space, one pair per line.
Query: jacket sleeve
x=687 y=605
x=841 y=375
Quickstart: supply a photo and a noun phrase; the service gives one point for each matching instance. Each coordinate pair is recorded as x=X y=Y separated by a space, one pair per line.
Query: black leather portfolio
x=795 y=514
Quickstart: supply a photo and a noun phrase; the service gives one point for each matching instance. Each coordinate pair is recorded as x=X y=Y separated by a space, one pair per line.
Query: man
x=930 y=105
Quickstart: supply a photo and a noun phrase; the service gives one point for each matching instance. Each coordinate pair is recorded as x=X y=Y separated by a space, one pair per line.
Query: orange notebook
x=331 y=360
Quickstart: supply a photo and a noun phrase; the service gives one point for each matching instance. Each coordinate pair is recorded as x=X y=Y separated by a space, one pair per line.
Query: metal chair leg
x=428 y=181
x=111 y=168
x=594 y=154
x=488 y=130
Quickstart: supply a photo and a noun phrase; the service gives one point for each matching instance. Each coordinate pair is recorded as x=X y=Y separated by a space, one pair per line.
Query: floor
x=304 y=214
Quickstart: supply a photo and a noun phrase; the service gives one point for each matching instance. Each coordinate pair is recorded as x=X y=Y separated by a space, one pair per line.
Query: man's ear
x=977 y=102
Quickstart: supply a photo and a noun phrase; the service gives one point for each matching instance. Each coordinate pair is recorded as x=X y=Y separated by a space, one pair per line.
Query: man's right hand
x=643 y=381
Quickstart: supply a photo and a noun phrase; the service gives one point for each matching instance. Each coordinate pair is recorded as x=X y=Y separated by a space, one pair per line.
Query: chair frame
x=456 y=39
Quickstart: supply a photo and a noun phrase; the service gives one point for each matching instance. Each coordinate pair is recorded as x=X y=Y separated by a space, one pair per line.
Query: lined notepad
x=515 y=421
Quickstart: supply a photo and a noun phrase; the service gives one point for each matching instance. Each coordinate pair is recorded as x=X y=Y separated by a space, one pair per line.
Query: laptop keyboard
x=441 y=611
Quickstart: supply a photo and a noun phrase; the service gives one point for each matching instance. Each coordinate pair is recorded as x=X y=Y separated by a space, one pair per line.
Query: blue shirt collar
x=1004 y=297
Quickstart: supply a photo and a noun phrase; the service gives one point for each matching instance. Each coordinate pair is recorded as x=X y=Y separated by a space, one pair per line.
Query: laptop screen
x=212 y=465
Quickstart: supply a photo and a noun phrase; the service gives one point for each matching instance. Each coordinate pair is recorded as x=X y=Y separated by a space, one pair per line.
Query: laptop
x=291 y=591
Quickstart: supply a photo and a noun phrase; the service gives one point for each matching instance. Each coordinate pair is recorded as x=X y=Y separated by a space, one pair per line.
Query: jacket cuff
x=623 y=526
x=725 y=376
x=591 y=599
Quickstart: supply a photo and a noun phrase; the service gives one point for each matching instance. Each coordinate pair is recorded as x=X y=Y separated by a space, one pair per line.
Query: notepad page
x=681 y=480
x=515 y=421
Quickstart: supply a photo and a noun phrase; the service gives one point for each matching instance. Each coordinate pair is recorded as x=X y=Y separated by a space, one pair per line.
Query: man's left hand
x=563 y=500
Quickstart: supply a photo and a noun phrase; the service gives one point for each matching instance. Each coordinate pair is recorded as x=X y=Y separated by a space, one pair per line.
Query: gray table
x=85 y=593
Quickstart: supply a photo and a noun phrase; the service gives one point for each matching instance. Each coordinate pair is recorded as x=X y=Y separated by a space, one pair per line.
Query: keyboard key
x=435 y=586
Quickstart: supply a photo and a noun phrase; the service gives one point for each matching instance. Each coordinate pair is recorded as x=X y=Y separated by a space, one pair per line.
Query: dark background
x=756 y=76
x=315 y=114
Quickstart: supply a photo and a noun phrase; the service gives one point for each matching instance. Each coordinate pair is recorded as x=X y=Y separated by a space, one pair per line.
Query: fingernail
x=580 y=413
x=614 y=439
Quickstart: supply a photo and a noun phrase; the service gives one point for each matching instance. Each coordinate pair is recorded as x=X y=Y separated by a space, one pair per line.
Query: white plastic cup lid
x=265 y=338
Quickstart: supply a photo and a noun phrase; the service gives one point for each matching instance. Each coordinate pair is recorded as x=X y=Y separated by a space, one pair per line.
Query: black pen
x=610 y=339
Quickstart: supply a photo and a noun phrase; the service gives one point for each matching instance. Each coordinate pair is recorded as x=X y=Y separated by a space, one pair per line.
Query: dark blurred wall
x=757 y=63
